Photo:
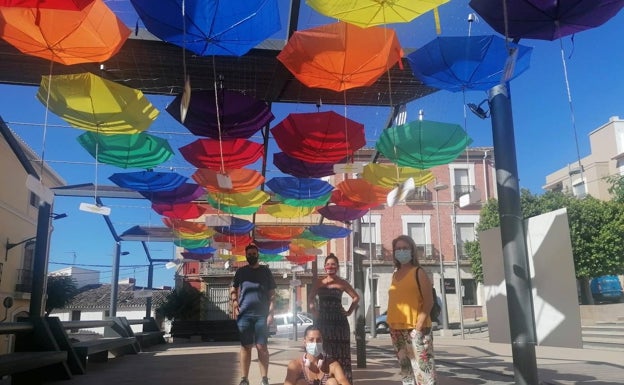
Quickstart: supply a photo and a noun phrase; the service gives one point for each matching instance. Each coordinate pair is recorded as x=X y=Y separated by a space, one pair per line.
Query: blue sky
x=543 y=122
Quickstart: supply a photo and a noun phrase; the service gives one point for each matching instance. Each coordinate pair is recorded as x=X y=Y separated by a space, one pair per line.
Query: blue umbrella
x=148 y=181
x=202 y=250
x=276 y=250
x=462 y=63
x=329 y=231
x=299 y=188
x=238 y=226
x=211 y=27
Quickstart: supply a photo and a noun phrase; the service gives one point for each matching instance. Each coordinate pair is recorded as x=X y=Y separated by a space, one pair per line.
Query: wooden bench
x=36 y=357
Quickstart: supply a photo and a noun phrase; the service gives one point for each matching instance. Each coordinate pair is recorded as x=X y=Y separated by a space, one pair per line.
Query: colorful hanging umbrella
x=299 y=188
x=279 y=232
x=238 y=226
x=300 y=259
x=148 y=181
x=68 y=5
x=90 y=35
x=306 y=244
x=308 y=235
x=245 y=199
x=239 y=115
x=222 y=155
x=93 y=103
x=196 y=257
x=184 y=226
x=341 y=199
x=211 y=27
x=186 y=192
x=208 y=233
x=319 y=136
x=300 y=168
x=241 y=179
x=238 y=240
x=191 y=243
x=271 y=244
x=390 y=175
x=367 y=13
x=545 y=20
x=179 y=210
x=459 y=63
x=341 y=213
x=312 y=202
x=231 y=209
x=127 y=151
x=423 y=144
x=330 y=231
x=268 y=257
x=281 y=210
x=202 y=250
x=341 y=56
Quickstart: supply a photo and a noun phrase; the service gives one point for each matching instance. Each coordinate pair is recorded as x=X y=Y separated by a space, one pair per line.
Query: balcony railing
x=24 y=281
x=462 y=189
x=420 y=195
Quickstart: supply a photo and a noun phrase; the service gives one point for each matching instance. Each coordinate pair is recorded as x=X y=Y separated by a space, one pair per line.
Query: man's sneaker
x=265 y=381
x=244 y=381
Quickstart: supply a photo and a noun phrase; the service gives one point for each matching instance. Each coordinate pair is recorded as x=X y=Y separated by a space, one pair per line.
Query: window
x=578 y=189
x=462 y=177
x=469 y=288
x=370 y=234
x=33 y=199
x=465 y=233
x=75 y=316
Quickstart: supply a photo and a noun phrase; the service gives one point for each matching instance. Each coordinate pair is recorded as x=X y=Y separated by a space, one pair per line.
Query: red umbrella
x=279 y=232
x=360 y=190
x=319 y=137
x=242 y=179
x=69 y=5
x=341 y=56
x=222 y=155
x=179 y=210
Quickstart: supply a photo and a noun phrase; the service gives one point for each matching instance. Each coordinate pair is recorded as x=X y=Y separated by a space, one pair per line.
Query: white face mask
x=403 y=256
x=314 y=349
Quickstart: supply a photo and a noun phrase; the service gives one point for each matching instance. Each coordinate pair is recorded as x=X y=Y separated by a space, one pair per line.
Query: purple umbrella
x=196 y=256
x=300 y=168
x=186 y=192
x=240 y=115
x=147 y=181
x=341 y=213
x=271 y=244
x=237 y=227
x=545 y=20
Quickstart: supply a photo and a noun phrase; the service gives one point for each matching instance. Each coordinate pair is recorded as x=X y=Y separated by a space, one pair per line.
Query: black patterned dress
x=334 y=328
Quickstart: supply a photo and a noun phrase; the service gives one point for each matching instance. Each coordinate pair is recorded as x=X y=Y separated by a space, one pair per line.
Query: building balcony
x=462 y=189
x=419 y=196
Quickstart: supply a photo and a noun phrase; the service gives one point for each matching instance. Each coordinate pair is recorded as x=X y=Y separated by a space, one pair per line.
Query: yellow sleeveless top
x=404 y=302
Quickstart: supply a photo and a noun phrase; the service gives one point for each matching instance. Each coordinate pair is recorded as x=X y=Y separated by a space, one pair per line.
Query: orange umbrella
x=360 y=190
x=93 y=34
x=70 y=5
x=184 y=226
x=341 y=56
x=279 y=232
x=242 y=179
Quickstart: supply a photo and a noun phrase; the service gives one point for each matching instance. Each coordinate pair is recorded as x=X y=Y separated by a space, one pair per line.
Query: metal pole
x=150 y=281
x=445 y=324
x=515 y=257
x=115 y=279
x=40 y=263
x=373 y=331
x=293 y=304
x=458 y=285
x=358 y=285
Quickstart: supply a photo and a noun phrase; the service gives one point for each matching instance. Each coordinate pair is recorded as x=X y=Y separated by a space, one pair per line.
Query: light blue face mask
x=314 y=349
x=403 y=256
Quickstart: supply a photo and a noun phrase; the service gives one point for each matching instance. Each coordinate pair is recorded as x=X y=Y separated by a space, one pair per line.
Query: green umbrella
x=423 y=144
x=191 y=243
x=312 y=202
x=231 y=209
x=127 y=151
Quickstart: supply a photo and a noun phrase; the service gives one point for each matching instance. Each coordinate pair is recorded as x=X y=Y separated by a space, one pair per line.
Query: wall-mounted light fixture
x=8 y=246
x=478 y=110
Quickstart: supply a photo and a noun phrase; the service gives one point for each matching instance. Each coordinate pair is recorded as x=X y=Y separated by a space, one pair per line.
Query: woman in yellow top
x=408 y=315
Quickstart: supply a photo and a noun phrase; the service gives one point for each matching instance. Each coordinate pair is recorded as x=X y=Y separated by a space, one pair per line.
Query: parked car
x=607 y=289
x=381 y=323
x=284 y=325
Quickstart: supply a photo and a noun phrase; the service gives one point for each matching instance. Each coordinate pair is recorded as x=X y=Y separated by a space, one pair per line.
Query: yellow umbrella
x=244 y=199
x=390 y=175
x=95 y=104
x=367 y=13
x=282 y=210
x=200 y=235
x=308 y=243
x=228 y=257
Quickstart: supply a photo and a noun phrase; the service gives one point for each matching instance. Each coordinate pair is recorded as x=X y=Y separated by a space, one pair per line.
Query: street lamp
x=445 y=324
x=458 y=285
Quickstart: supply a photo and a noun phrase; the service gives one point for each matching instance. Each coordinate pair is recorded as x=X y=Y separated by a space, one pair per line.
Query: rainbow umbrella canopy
x=209 y=27
x=423 y=144
x=222 y=155
x=92 y=103
x=545 y=20
x=222 y=115
x=299 y=188
x=367 y=13
x=460 y=63
x=341 y=56
x=127 y=151
x=148 y=181
x=84 y=33
x=319 y=137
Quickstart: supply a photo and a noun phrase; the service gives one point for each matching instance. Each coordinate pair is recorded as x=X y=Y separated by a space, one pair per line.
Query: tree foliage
x=596 y=230
x=60 y=291
x=183 y=303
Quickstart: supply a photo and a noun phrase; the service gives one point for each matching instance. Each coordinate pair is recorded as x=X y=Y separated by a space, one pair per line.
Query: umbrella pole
x=515 y=256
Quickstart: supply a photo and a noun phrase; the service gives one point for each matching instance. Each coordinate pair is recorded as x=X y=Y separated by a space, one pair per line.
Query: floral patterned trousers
x=414 y=351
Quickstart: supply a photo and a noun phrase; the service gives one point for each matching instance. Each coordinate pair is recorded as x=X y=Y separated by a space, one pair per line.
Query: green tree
x=616 y=188
x=60 y=291
x=183 y=303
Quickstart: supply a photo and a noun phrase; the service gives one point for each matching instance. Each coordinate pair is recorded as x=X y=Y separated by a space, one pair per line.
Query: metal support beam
x=115 y=279
x=40 y=264
x=150 y=280
x=515 y=257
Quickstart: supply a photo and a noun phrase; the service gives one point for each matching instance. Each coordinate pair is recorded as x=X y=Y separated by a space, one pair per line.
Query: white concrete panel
x=555 y=302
